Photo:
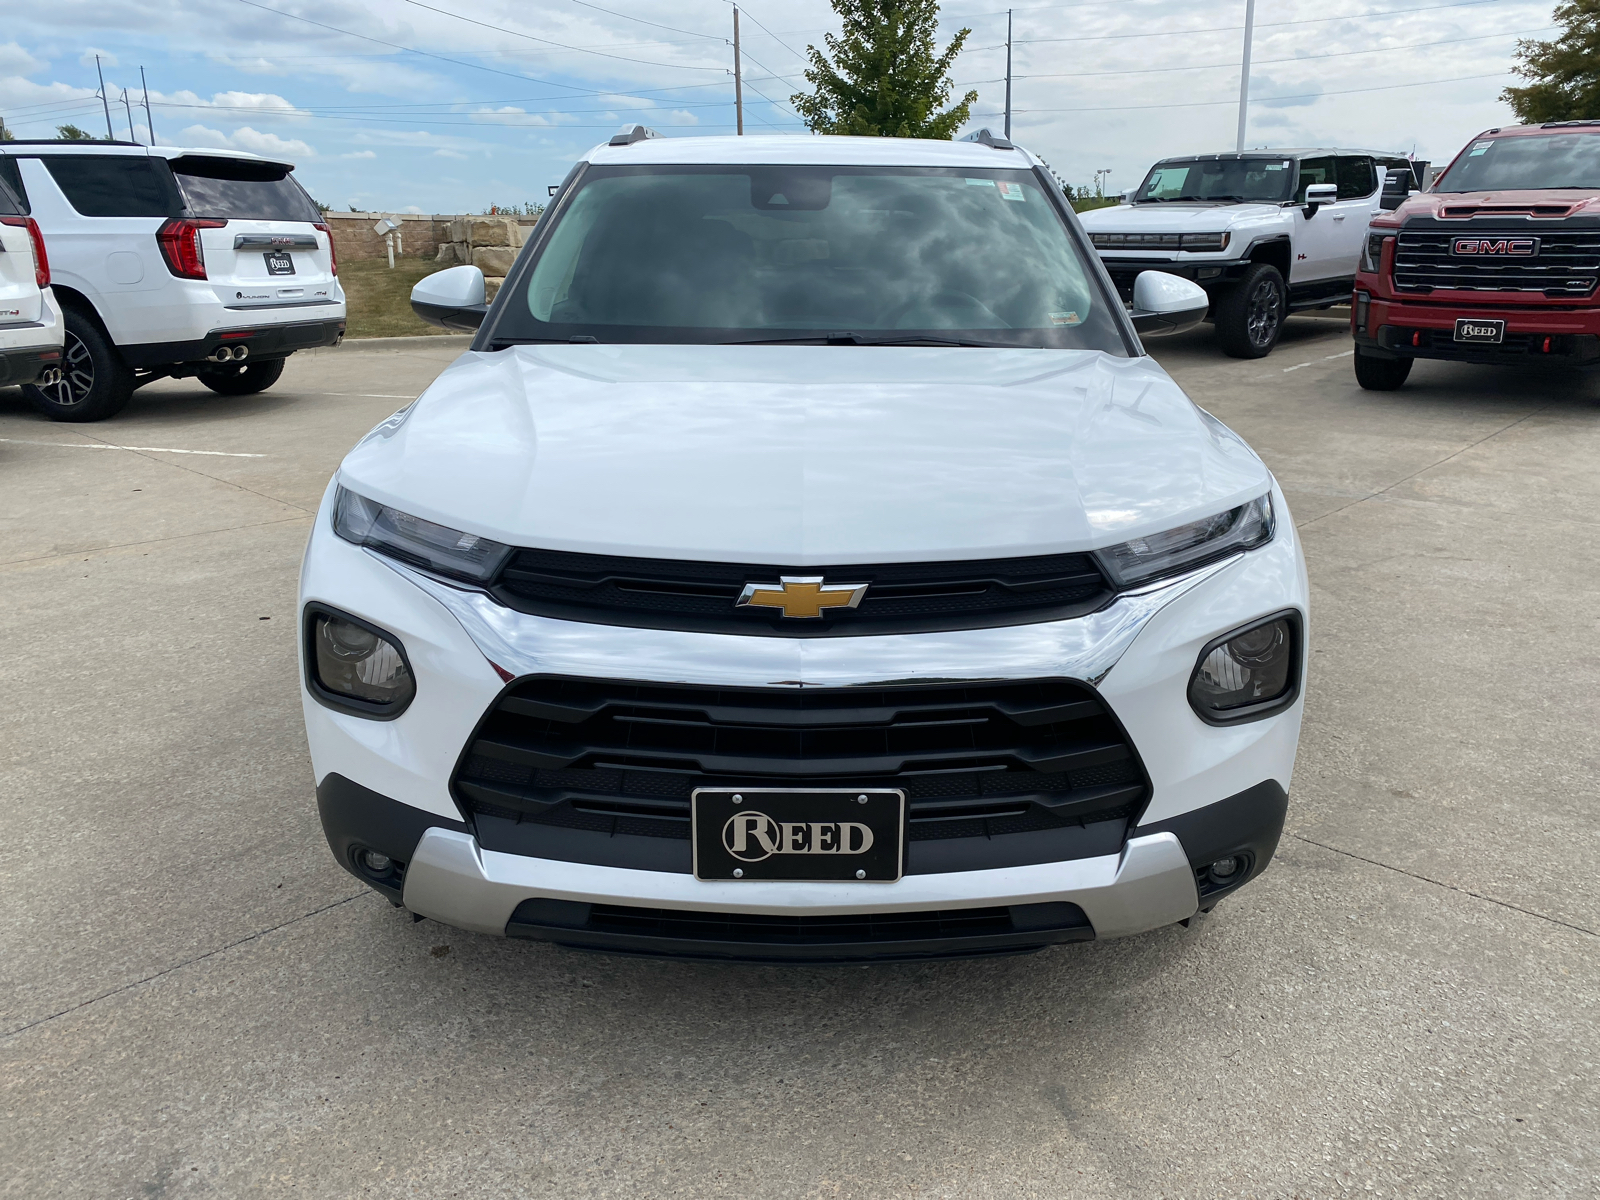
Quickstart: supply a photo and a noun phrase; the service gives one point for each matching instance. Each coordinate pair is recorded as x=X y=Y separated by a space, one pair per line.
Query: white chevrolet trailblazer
x=805 y=563
x=30 y=318
x=173 y=263
x=1265 y=232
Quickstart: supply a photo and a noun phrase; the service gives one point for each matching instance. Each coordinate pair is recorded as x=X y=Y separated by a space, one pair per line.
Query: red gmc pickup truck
x=1496 y=263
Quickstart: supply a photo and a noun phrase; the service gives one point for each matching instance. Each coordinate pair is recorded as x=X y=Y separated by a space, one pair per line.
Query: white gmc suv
x=173 y=262
x=1265 y=232
x=805 y=563
x=30 y=319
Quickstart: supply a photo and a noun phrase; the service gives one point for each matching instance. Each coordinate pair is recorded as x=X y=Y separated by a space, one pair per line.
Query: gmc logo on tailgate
x=1505 y=247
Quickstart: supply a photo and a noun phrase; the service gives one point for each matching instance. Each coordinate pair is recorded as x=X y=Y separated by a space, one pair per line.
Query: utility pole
x=738 y=78
x=148 y=119
x=104 y=103
x=1244 y=70
x=1008 y=74
x=132 y=137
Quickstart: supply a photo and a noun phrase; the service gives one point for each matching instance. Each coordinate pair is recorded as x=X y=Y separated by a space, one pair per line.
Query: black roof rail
x=984 y=138
x=71 y=142
x=629 y=134
x=1559 y=124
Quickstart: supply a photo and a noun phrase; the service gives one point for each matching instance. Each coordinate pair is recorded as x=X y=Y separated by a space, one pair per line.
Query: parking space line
x=136 y=449
x=1315 y=361
x=363 y=395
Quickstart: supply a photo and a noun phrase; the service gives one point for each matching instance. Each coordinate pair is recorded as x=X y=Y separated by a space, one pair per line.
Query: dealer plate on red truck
x=1469 y=330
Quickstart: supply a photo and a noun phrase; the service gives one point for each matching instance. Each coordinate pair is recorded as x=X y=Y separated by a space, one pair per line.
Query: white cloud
x=411 y=208
x=14 y=60
x=269 y=145
x=360 y=154
x=446 y=152
x=107 y=59
x=260 y=104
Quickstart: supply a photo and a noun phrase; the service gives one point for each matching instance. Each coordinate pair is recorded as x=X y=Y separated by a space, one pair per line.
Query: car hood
x=1176 y=217
x=1511 y=202
x=804 y=455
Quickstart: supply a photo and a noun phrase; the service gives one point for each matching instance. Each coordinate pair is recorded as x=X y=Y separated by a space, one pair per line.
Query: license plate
x=854 y=835
x=279 y=262
x=1468 y=330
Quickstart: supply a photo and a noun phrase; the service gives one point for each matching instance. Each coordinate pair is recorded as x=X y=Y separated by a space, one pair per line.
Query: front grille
x=799 y=937
x=1567 y=264
x=601 y=771
x=900 y=598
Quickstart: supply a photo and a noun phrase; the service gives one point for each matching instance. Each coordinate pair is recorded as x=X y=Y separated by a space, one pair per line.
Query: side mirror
x=1128 y=194
x=1164 y=304
x=1396 y=187
x=452 y=299
x=1318 y=194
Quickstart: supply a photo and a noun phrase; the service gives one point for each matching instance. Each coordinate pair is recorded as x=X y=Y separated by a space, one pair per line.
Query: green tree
x=71 y=133
x=1563 y=74
x=5 y=132
x=885 y=79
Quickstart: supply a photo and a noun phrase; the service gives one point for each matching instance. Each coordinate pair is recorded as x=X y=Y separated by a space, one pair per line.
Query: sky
x=456 y=105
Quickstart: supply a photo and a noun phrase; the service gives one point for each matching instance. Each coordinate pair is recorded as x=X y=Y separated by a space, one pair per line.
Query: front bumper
x=1207 y=273
x=1138 y=654
x=1389 y=327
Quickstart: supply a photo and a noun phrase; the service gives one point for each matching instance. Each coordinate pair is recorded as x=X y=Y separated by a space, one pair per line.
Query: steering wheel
x=930 y=303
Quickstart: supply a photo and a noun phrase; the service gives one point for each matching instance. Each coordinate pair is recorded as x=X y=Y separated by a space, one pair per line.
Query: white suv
x=172 y=262
x=1265 y=232
x=806 y=562
x=30 y=319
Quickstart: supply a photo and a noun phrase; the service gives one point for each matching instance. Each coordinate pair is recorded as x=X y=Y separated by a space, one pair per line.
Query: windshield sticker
x=1065 y=318
x=1479 y=148
x=1011 y=191
x=980 y=183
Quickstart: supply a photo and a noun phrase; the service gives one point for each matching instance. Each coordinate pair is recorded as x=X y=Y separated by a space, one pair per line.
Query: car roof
x=1290 y=152
x=805 y=149
x=1526 y=130
x=130 y=149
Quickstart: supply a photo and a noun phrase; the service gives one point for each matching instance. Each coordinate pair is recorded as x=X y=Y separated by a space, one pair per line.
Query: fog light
x=1247 y=673
x=379 y=864
x=1223 y=870
x=356 y=667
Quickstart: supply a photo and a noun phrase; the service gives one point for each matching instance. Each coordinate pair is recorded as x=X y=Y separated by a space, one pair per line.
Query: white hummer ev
x=1265 y=232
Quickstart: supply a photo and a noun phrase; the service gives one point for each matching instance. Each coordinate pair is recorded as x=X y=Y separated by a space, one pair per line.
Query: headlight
x=1187 y=546
x=1372 y=251
x=1205 y=241
x=411 y=539
x=1248 y=673
x=355 y=667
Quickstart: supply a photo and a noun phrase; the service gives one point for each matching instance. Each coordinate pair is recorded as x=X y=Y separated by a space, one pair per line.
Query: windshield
x=1265 y=179
x=1554 y=160
x=241 y=190
x=797 y=253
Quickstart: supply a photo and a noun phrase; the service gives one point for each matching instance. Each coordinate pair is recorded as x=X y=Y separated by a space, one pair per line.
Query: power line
x=1272 y=25
x=1264 y=99
x=1278 y=61
x=559 y=45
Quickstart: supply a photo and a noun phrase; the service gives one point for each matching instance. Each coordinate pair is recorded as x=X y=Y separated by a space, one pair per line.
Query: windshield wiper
x=867 y=339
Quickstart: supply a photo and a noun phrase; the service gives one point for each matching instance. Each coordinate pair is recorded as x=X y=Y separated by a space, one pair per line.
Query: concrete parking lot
x=196 y=1001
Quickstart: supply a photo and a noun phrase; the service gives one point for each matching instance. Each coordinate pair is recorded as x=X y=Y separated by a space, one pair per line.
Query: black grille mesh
x=975 y=761
x=1567 y=264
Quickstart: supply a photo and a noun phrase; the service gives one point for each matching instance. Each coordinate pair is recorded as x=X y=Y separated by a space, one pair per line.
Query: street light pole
x=738 y=79
x=1008 y=74
x=1244 y=70
x=104 y=103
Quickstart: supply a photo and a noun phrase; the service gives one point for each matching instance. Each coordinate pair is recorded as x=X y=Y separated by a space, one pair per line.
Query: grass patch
x=380 y=299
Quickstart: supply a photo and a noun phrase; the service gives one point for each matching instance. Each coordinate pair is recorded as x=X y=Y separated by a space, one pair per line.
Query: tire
x=1381 y=374
x=245 y=380
x=1250 y=314
x=95 y=382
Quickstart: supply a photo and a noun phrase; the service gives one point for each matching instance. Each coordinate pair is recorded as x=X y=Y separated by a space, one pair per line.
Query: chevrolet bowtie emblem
x=802 y=595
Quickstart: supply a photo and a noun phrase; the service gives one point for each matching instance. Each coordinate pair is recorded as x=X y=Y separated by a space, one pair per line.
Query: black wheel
x=95 y=383
x=242 y=379
x=1250 y=314
x=1381 y=374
